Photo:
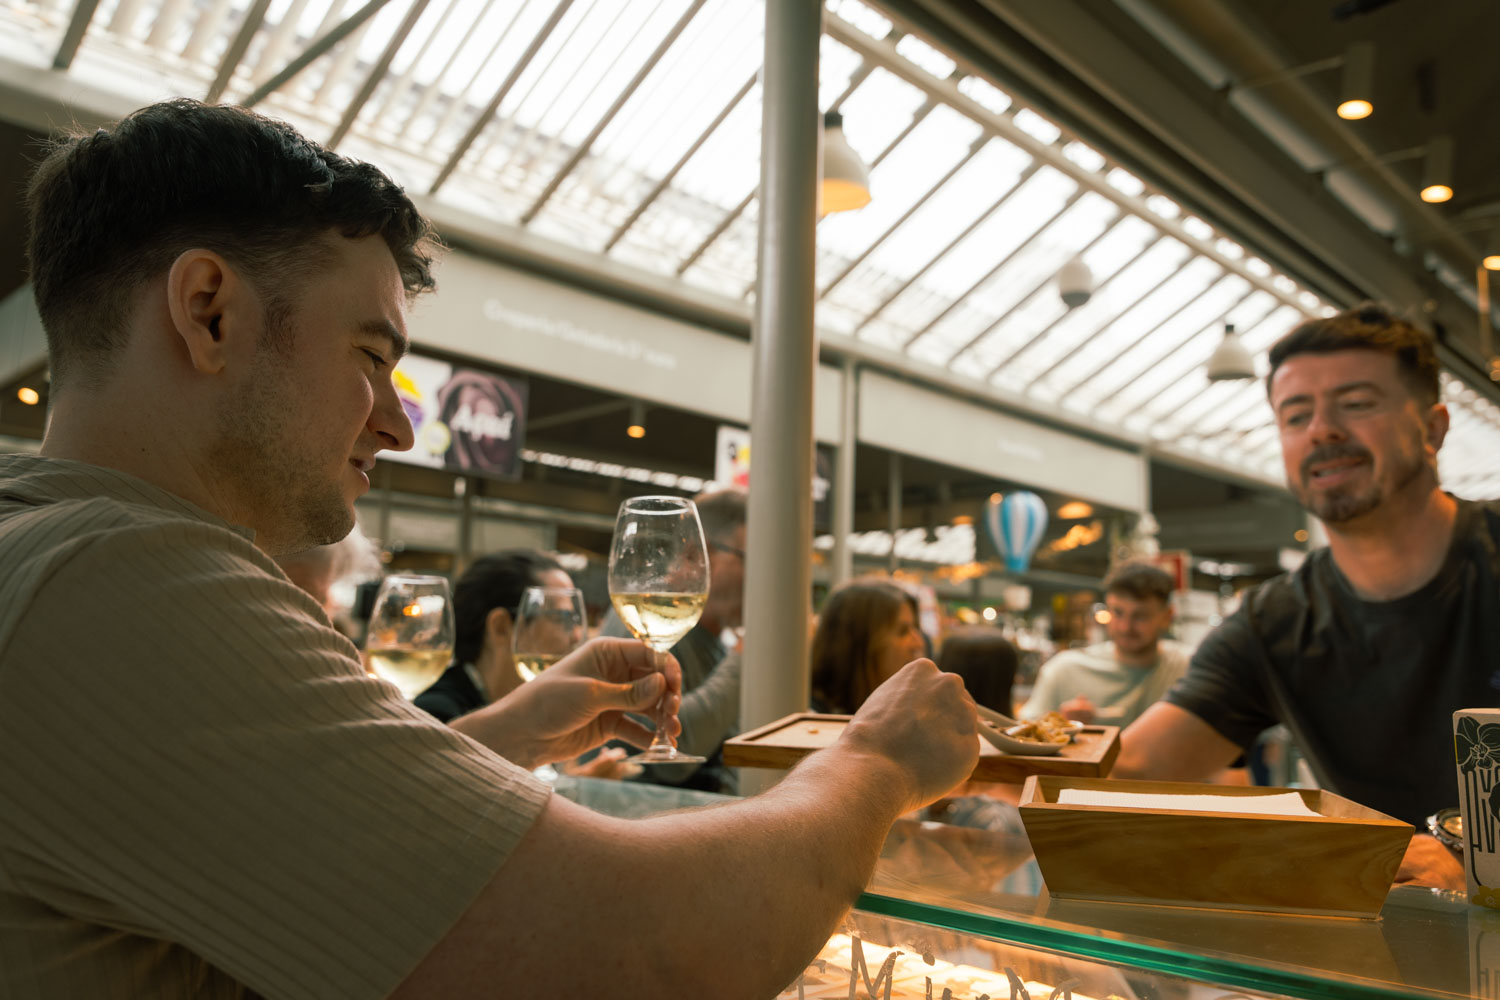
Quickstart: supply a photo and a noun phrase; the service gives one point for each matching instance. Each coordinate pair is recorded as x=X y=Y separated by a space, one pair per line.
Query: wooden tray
x=782 y=743
x=1338 y=863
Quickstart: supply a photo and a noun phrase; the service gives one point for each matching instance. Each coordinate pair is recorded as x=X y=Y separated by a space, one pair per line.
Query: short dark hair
x=1140 y=581
x=986 y=661
x=494 y=581
x=1370 y=326
x=720 y=513
x=111 y=208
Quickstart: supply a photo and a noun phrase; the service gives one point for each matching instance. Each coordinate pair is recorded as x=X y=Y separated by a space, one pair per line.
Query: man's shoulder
x=1080 y=657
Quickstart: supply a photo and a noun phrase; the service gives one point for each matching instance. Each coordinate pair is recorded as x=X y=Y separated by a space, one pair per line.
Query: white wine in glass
x=658 y=582
x=550 y=623
x=410 y=639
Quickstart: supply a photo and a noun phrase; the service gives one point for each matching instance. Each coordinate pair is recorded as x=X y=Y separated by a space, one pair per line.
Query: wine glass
x=658 y=582
x=550 y=624
x=410 y=640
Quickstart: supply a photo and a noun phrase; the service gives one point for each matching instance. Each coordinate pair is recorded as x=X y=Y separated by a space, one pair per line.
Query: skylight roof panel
x=917 y=52
x=1121 y=333
x=985 y=94
x=1036 y=126
x=1020 y=326
x=1169 y=337
x=863 y=17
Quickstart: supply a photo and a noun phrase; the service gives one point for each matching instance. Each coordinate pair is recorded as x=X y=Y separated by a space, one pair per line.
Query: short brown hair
x=1140 y=581
x=112 y=208
x=721 y=513
x=1370 y=326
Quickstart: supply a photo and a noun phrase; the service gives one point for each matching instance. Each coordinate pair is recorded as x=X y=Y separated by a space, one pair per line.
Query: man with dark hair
x=485 y=601
x=710 y=709
x=229 y=804
x=1364 y=652
x=1113 y=682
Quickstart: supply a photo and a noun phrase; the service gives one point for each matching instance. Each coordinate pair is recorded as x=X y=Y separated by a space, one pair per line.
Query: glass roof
x=631 y=130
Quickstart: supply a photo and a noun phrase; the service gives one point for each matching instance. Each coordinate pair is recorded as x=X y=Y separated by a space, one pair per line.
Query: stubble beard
x=261 y=461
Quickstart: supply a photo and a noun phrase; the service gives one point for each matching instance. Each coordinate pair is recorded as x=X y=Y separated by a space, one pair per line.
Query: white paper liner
x=1283 y=804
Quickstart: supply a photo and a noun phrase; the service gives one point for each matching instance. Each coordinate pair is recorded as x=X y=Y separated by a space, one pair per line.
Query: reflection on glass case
x=883 y=958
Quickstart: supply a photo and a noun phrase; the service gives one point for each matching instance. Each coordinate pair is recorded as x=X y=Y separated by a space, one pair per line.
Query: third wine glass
x=658 y=582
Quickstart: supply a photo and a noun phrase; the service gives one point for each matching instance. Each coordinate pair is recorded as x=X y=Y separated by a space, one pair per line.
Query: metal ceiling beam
x=583 y=147
x=78 y=25
x=1046 y=280
x=670 y=175
x=916 y=206
x=855 y=79
x=315 y=49
x=959 y=299
x=885 y=55
x=484 y=116
x=235 y=54
x=377 y=72
x=1041 y=334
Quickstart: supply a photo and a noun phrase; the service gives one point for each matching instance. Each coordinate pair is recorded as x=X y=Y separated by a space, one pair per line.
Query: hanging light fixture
x=637 y=427
x=846 y=179
x=1491 y=259
x=1358 y=83
x=1437 y=170
x=1230 y=360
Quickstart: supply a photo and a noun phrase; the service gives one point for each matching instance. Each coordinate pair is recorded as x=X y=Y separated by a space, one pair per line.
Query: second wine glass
x=658 y=583
x=410 y=639
x=550 y=623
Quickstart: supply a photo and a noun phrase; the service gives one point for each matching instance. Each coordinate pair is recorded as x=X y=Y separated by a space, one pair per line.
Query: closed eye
x=380 y=362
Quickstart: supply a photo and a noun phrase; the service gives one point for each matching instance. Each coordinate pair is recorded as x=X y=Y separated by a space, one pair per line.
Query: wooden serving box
x=781 y=744
x=1338 y=863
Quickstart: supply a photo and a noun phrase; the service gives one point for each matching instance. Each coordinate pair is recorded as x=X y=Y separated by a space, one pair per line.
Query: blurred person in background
x=1113 y=682
x=710 y=708
x=1368 y=648
x=320 y=569
x=986 y=660
x=485 y=600
x=866 y=632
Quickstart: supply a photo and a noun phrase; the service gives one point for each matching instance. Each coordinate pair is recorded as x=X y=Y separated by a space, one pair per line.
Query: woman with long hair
x=866 y=632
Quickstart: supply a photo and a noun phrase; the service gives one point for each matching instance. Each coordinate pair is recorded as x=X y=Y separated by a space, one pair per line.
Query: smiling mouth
x=1331 y=472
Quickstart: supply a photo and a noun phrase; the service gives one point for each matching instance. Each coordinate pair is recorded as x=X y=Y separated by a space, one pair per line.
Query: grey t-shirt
x=1367 y=688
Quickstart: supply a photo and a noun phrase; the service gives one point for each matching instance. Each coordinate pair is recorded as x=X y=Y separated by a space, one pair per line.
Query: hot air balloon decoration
x=1016 y=524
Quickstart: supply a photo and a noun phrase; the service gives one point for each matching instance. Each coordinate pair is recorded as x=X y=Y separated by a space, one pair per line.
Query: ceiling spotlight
x=1437 y=170
x=28 y=395
x=1074 y=510
x=846 y=179
x=637 y=427
x=1358 y=84
x=1230 y=360
x=1491 y=260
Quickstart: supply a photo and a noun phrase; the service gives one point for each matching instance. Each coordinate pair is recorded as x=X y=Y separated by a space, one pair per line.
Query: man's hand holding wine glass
x=578 y=703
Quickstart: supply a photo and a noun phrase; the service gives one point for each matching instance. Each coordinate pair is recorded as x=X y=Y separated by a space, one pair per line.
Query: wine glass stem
x=660 y=715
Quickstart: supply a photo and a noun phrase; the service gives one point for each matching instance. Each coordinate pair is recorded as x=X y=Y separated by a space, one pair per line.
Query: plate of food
x=1041 y=737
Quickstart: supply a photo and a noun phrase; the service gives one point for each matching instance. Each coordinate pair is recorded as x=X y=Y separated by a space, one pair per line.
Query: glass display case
x=962 y=914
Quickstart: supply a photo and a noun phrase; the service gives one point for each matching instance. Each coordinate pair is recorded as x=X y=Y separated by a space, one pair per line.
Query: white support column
x=784 y=350
x=843 y=476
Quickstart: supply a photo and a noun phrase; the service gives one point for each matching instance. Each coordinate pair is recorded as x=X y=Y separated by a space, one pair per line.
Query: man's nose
x=389 y=422
x=1324 y=424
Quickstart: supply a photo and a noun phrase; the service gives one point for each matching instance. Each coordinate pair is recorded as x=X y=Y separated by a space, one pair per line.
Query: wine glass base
x=663 y=755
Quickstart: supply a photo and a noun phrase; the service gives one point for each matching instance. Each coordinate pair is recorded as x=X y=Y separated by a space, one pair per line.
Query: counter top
x=1426 y=943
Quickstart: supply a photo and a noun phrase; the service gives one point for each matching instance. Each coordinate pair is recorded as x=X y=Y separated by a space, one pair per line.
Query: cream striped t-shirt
x=201 y=792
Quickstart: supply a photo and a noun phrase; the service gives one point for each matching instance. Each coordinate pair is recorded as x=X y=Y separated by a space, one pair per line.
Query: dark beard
x=1335 y=507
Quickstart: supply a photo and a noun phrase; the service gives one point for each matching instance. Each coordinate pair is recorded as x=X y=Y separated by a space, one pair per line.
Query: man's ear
x=497 y=626
x=206 y=301
x=1437 y=426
